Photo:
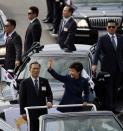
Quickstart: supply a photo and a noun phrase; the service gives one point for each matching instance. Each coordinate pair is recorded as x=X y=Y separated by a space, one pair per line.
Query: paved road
x=17 y=9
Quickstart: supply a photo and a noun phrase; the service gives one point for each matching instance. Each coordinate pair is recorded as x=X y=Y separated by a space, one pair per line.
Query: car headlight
x=81 y=23
x=2 y=51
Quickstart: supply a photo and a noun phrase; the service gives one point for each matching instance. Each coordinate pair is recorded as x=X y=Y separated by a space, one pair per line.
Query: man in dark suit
x=13 y=46
x=35 y=91
x=74 y=85
x=50 y=11
x=110 y=53
x=67 y=30
x=34 y=30
x=59 y=5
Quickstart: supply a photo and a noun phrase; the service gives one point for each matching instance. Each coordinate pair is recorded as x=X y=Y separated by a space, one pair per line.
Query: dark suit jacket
x=13 y=50
x=28 y=96
x=73 y=91
x=111 y=60
x=66 y=35
x=33 y=34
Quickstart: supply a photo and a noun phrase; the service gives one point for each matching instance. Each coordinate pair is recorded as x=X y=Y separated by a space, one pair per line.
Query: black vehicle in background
x=92 y=15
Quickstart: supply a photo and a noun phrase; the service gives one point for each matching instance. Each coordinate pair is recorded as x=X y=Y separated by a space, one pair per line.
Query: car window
x=87 y=123
x=61 y=65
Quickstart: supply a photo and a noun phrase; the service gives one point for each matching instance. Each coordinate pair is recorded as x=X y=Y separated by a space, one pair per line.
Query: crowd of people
x=35 y=90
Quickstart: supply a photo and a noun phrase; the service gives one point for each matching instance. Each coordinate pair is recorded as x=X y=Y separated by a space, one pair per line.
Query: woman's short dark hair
x=77 y=66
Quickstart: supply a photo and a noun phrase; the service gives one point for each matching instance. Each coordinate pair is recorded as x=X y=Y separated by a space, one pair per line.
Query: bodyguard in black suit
x=34 y=30
x=67 y=30
x=50 y=11
x=13 y=45
x=35 y=91
x=110 y=52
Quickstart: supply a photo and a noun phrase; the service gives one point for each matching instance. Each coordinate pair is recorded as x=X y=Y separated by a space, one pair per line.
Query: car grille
x=100 y=22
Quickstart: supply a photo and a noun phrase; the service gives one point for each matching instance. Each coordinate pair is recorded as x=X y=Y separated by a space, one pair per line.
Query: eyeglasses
x=111 y=27
x=29 y=13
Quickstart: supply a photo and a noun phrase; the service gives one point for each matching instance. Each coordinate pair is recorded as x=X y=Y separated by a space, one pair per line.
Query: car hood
x=90 y=10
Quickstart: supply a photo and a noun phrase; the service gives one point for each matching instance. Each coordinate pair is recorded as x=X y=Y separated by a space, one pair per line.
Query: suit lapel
x=33 y=86
x=68 y=22
x=9 y=38
x=14 y=34
x=110 y=43
x=118 y=42
x=28 y=28
x=60 y=28
x=40 y=84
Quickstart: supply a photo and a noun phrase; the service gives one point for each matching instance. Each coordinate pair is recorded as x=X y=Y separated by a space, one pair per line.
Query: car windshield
x=61 y=65
x=99 y=1
x=83 y=123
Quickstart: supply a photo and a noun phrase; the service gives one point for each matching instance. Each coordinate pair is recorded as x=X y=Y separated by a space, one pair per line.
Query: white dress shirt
x=33 y=79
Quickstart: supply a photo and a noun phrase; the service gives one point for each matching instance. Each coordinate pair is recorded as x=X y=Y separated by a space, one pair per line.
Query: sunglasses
x=111 y=27
x=30 y=13
x=6 y=25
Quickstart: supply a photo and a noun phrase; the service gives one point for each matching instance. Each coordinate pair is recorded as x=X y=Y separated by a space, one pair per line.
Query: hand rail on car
x=54 y=106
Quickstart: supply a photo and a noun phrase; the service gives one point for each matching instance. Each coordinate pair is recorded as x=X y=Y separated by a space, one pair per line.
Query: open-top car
x=62 y=61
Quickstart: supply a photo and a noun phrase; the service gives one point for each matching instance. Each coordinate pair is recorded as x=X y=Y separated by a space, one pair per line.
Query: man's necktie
x=113 y=42
x=7 y=39
x=63 y=24
x=36 y=85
